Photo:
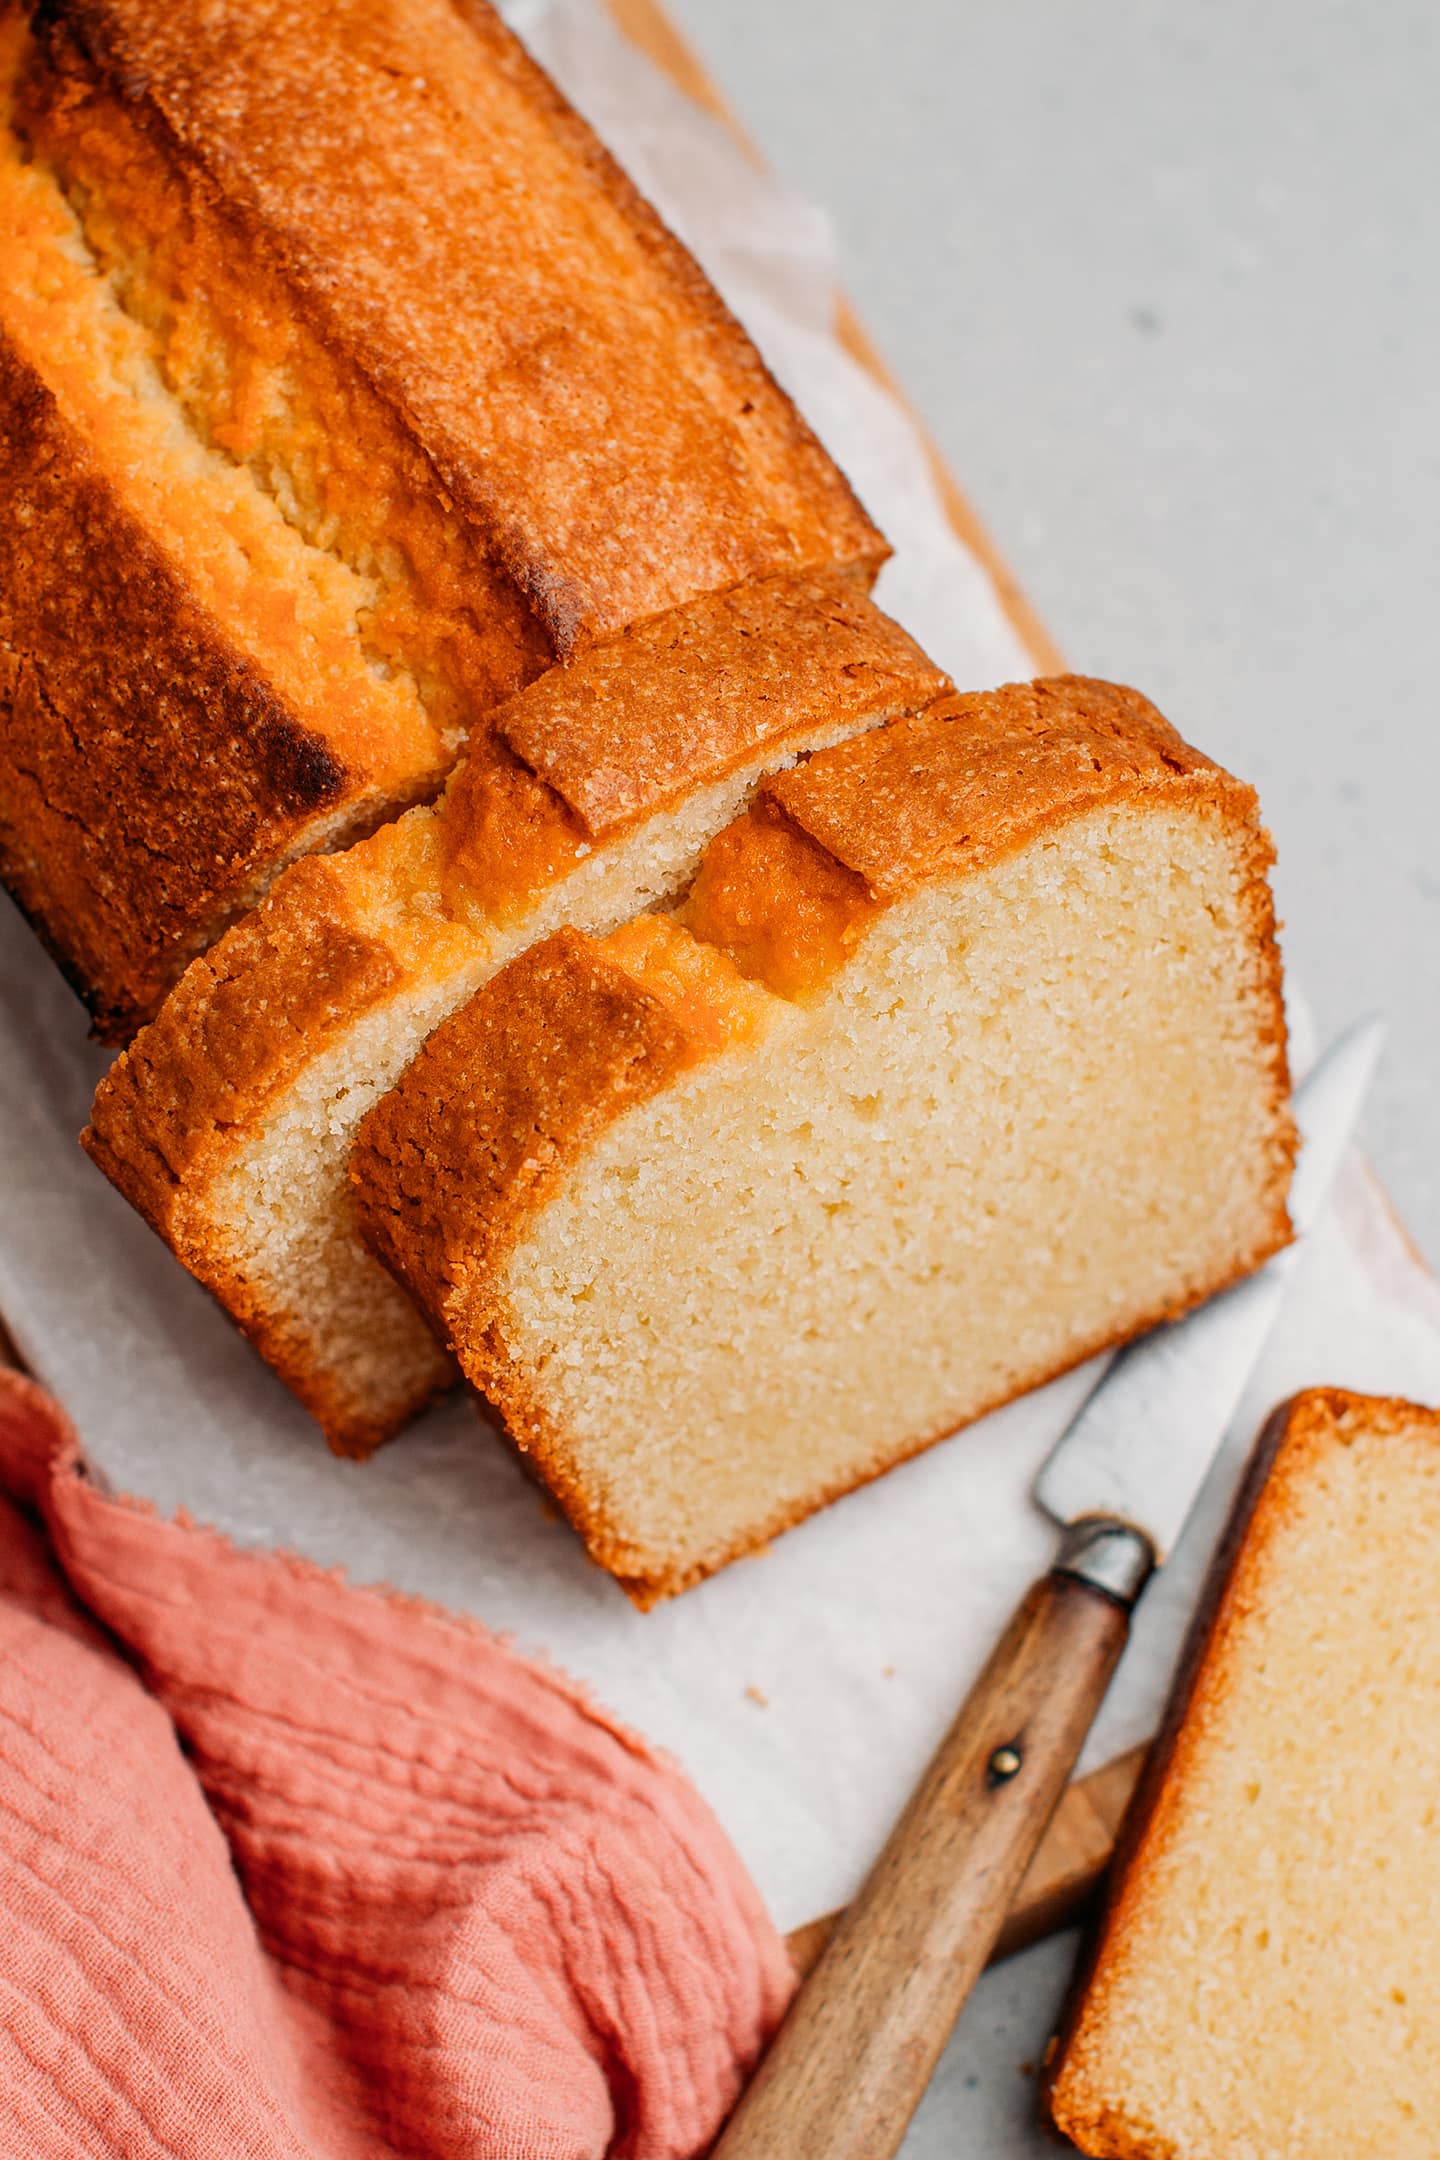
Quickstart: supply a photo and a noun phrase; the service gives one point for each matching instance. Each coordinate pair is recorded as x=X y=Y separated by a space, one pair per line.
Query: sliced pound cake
x=229 y=1119
x=1266 y=1980
x=346 y=385
x=963 y=1059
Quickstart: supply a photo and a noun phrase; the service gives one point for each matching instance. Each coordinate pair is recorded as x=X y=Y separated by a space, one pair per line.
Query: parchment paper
x=802 y=1689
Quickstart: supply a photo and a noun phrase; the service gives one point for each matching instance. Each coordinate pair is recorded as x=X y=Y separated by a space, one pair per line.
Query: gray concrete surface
x=1162 y=282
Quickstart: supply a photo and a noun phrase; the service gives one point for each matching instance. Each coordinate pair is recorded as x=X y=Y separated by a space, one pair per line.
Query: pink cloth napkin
x=290 y=1868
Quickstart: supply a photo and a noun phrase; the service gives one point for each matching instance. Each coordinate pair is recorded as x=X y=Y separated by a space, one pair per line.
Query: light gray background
x=1162 y=282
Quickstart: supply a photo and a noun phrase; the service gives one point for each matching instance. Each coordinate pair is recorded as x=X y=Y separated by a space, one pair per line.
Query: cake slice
x=963 y=1059
x=229 y=1119
x=346 y=385
x=1266 y=1980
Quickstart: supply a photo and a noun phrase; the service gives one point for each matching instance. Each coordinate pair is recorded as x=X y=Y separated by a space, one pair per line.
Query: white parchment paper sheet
x=802 y=1689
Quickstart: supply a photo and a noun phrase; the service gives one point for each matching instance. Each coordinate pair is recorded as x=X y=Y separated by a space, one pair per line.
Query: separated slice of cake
x=346 y=385
x=1266 y=1980
x=963 y=1059
x=229 y=1119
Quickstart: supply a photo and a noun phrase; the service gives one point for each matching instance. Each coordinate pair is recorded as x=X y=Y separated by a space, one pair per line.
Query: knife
x=848 y=2067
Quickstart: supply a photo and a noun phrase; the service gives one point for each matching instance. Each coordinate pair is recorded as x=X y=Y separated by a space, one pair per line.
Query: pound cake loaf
x=962 y=1059
x=1266 y=1980
x=346 y=385
x=228 y=1121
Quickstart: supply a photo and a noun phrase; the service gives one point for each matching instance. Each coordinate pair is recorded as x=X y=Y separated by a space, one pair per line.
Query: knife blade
x=1140 y=1447
x=847 y=2068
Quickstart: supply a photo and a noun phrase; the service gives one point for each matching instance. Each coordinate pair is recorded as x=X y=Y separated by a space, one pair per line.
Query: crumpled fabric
x=290 y=1868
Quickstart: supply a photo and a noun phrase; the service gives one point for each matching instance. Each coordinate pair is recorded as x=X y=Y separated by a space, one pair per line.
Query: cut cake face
x=1266 y=1980
x=962 y=1060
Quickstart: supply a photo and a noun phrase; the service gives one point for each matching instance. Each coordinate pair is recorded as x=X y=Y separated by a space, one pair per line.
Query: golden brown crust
x=701 y=987
x=564 y=369
x=243 y=1020
x=626 y=729
x=1294 y=1439
x=256 y=381
x=174 y=722
x=513 y=1087
x=504 y=835
x=150 y=775
x=630 y=727
x=1080 y=746
x=977 y=775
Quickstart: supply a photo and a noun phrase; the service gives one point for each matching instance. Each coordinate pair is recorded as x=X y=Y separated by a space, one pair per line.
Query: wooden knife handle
x=847 y=2068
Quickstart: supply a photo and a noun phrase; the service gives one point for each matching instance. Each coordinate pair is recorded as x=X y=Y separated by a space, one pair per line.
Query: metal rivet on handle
x=1003 y=1764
